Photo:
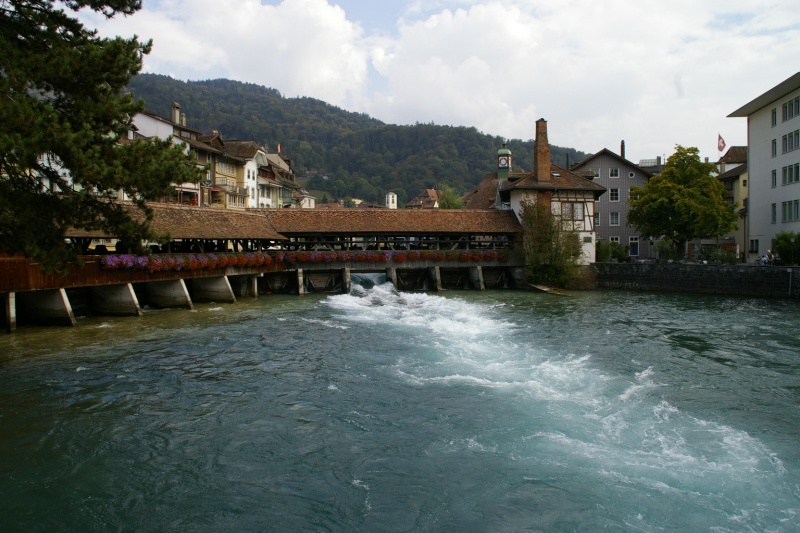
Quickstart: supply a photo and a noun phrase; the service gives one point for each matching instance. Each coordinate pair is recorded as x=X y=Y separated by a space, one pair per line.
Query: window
x=774 y=147
x=774 y=213
x=633 y=242
x=631 y=174
x=791 y=174
x=613 y=172
x=744 y=183
x=753 y=246
x=790 y=141
x=790 y=211
x=613 y=195
x=571 y=211
x=613 y=219
x=791 y=108
x=613 y=239
x=774 y=117
x=596 y=219
x=226 y=168
x=774 y=178
x=595 y=173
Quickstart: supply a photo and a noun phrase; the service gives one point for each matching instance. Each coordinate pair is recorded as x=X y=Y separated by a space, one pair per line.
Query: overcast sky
x=654 y=73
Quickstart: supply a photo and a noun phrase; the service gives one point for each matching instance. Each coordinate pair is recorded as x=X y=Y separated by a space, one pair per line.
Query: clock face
x=502 y=161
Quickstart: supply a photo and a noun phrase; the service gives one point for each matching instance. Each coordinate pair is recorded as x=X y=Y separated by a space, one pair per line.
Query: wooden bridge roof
x=184 y=222
x=356 y=221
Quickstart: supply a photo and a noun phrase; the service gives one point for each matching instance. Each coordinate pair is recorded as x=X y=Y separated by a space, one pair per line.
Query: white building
x=571 y=196
x=773 y=139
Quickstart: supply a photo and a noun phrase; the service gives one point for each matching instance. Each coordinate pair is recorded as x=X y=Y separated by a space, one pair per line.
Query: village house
x=734 y=177
x=618 y=176
x=239 y=174
x=427 y=199
x=571 y=196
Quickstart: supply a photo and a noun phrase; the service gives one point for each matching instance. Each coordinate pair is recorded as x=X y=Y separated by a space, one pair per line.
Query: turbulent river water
x=386 y=411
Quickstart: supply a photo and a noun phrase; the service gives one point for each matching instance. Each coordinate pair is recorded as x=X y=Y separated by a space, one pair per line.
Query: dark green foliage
x=682 y=203
x=787 y=247
x=449 y=199
x=343 y=153
x=606 y=251
x=551 y=253
x=62 y=111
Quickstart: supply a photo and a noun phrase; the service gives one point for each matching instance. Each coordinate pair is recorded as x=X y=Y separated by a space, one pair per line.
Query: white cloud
x=653 y=73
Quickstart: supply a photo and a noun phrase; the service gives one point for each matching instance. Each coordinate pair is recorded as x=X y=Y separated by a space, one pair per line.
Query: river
x=384 y=411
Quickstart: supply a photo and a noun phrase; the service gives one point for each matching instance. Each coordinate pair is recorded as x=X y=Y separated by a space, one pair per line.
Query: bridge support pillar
x=476 y=278
x=116 y=300
x=213 y=290
x=391 y=276
x=300 y=282
x=346 y=283
x=168 y=294
x=435 y=276
x=47 y=307
x=10 y=309
x=244 y=285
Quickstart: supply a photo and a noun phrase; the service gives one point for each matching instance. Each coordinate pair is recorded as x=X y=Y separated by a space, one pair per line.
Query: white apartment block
x=773 y=141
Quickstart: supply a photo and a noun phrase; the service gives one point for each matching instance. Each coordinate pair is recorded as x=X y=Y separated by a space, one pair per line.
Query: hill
x=345 y=153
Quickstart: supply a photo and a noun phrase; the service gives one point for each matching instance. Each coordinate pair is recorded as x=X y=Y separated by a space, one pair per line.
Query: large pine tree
x=64 y=118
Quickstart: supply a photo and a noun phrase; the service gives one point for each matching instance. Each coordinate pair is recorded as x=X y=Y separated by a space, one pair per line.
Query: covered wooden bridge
x=284 y=250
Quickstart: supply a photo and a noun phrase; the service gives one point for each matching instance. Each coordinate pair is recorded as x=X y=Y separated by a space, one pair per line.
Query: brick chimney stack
x=541 y=152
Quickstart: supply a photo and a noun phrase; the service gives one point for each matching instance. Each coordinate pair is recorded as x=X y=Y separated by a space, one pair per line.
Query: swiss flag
x=720 y=143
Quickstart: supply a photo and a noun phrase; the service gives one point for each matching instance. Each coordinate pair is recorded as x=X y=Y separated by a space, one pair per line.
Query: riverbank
x=741 y=280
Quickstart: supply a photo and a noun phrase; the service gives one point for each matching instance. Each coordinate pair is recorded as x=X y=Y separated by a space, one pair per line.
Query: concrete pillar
x=391 y=276
x=300 y=283
x=47 y=307
x=171 y=293
x=10 y=307
x=476 y=278
x=213 y=290
x=346 y=284
x=116 y=300
x=435 y=276
x=244 y=285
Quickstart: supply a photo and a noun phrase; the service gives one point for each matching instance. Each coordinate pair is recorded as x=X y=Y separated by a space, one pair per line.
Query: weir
x=59 y=306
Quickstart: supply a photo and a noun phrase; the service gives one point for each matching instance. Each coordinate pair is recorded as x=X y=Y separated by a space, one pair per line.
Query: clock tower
x=504 y=159
x=503 y=168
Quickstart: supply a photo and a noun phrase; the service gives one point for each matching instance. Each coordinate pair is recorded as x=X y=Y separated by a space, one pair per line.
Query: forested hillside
x=347 y=154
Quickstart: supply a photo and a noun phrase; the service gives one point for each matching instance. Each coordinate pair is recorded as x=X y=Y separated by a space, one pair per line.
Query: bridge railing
x=22 y=274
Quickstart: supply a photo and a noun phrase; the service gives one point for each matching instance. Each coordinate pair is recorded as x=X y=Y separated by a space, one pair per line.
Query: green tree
x=682 y=203
x=787 y=247
x=449 y=198
x=605 y=251
x=551 y=252
x=63 y=114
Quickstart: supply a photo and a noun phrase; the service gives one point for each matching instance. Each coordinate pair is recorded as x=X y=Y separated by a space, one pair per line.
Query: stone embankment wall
x=744 y=280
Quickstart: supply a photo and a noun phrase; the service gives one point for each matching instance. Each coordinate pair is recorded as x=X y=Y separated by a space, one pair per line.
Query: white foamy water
x=617 y=432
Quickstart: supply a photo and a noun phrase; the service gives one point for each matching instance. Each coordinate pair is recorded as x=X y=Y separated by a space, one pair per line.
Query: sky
x=653 y=73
